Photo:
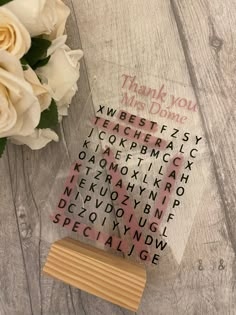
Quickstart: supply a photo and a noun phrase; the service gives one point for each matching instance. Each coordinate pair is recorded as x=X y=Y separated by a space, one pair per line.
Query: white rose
x=19 y=107
x=39 y=137
x=37 y=140
x=61 y=74
x=41 y=16
x=14 y=37
x=41 y=91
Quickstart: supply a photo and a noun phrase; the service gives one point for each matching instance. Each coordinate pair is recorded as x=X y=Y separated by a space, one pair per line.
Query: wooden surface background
x=191 y=42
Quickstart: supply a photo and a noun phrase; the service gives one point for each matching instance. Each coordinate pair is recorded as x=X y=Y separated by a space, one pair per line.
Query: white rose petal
x=67 y=98
x=56 y=44
x=37 y=140
x=61 y=74
x=41 y=91
x=62 y=13
x=19 y=107
x=41 y=16
x=14 y=37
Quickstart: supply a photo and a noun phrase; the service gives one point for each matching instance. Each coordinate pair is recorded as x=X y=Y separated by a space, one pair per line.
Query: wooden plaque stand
x=97 y=272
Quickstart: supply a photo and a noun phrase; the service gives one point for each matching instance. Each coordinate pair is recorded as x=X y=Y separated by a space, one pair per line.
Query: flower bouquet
x=38 y=71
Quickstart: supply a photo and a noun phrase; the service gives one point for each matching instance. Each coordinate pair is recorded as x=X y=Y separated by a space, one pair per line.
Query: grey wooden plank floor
x=186 y=42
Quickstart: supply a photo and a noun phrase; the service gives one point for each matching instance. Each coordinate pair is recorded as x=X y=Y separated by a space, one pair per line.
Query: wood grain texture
x=189 y=44
x=213 y=85
x=14 y=293
x=92 y=270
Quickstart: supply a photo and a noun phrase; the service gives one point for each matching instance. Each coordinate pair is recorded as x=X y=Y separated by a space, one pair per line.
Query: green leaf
x=49 y=117
x=37 y=51
x=3 y=142
x=2 y=2
x=24 y=64
x=41 y=63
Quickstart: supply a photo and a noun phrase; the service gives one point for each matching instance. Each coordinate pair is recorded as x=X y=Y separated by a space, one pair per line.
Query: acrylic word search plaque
x=134 y=172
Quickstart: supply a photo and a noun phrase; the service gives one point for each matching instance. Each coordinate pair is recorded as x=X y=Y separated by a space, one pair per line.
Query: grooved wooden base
x=97 y=272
